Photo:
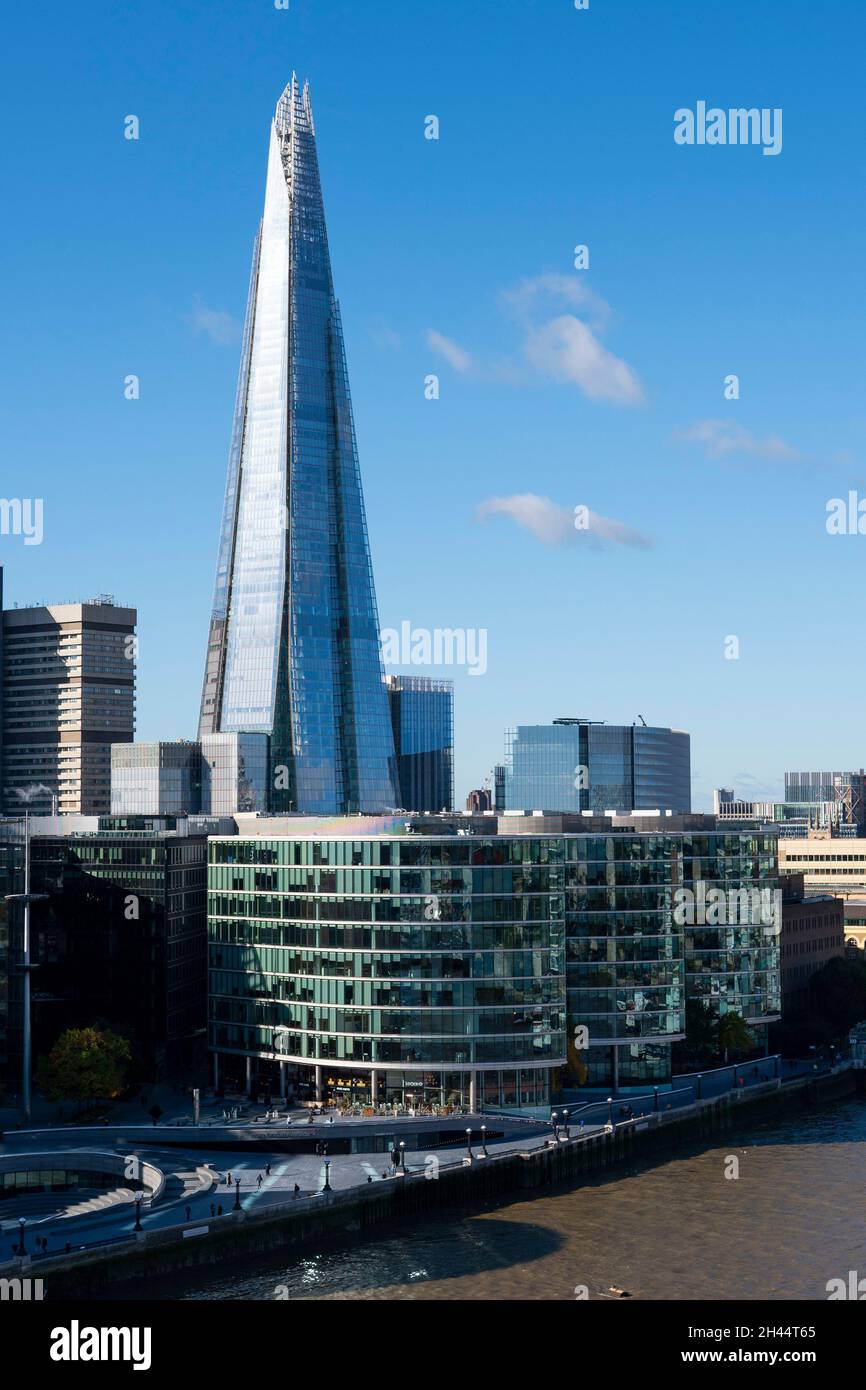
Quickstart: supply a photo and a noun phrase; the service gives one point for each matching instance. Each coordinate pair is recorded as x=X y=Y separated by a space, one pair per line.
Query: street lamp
x=469 y=1141
x=403 y=1154
x=237 y=1205
x=327 y=1187
x=139 y=1198
x=565 y=1122
x=700 y=1079
x=22 y=1222
x=484 y=1140
x=610 y=1111
x=553 y=1120
x=26 y=898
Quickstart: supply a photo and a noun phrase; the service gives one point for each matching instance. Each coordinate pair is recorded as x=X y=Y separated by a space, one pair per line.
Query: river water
x=681 y=1229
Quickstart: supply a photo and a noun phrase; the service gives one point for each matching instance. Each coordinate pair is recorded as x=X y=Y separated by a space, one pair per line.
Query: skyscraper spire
x=294 y=644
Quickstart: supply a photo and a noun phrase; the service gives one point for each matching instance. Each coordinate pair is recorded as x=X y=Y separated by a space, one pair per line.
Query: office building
x=293 y=650
x=828 y=864
x=68 y=695
x=479 y=801
x=845 y=791
x=813 y=933
x=219 y=775
x=582 y=765
x=422 y=719
x=431 y=956
x=119 y=937
x=234 y=773
x=156 y=779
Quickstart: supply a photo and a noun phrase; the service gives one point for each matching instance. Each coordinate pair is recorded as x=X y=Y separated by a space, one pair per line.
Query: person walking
x=259 y=1182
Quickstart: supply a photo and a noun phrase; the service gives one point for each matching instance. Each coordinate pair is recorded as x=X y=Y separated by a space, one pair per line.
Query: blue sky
x=601 y=388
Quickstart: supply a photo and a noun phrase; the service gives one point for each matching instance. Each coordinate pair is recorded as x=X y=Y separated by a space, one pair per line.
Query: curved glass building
x=398 y=965
x=500 y=960
x=293 y=650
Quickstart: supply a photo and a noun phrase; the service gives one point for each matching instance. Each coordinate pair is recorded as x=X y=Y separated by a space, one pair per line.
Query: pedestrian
x=220 y=1209
x=267 y=1170
x=259 y=1182
x=212 y=1209
x=297 y=1189
x=369 y=1177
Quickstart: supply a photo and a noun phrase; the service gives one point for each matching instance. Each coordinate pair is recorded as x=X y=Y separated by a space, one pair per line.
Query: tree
x=838 y=993
x=155 y=1112
x=85 y=1064
x=733 y=1034
x=700 y=1044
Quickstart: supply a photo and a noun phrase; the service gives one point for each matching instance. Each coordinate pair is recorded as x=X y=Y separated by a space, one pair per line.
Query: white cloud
x=219 y=326
x=563 y=349
x=566 y=349
x=554 y=525
x=725 y=438
x=567 y=290
x=453 y=353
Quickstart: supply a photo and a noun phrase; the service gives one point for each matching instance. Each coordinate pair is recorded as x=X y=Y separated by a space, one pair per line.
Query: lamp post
x=26 y=898
x=565 y=1123
x=610 y=1111
x=22 y=1222
x=327 y=1186
x=700 y=1079
x=139 y=1198
x=554 y=1122
x=237 y=1205
x=656 y=1098
x=484 y=1140
x=403 y=1155
x=469 y=1142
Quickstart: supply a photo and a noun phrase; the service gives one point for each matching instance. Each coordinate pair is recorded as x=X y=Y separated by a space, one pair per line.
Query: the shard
x=294 y=643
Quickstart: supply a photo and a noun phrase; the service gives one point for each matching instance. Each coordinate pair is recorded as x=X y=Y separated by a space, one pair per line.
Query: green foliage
x=85 y=1064
x=838 y=992
x=733 y=1035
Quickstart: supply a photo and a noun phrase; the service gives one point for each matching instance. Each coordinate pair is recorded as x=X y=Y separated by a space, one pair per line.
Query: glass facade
x=634 y=958
x=576 y=765
x=234 y=773
x=293 y=650
x=155 y=779
x=422 y=717
x=404 y=952
x=451 y=954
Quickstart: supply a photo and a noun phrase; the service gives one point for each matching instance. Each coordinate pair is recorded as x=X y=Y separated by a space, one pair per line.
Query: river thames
x=789 y=1222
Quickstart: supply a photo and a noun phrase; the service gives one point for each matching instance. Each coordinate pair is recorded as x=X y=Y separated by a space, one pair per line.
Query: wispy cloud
x=726 y=439
x=555 y=525
x=564 y=348
x=456 y=356
x=384 y=336
x=219 y=326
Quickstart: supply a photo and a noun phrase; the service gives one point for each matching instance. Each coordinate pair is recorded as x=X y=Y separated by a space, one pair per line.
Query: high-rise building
x=68 y=695
x=584 y=765
x=422 y=718
x=293 y=650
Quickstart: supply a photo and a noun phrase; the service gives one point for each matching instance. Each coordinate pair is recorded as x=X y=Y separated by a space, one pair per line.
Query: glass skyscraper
x=422 y=717
x=293 y=650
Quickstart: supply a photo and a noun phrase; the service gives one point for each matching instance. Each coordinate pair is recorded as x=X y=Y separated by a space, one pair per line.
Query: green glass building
x=500 y=960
